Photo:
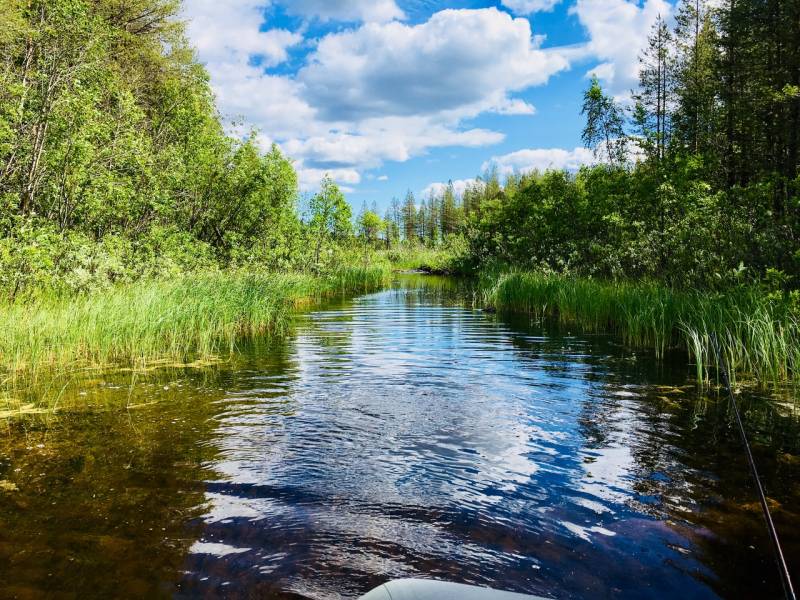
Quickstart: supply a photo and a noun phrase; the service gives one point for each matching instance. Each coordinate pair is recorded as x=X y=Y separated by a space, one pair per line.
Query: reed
x=189 y=318
x=416 y=257
x=759 y=333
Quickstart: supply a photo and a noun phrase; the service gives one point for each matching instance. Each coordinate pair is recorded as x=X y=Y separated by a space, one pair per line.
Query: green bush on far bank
x=442 y=259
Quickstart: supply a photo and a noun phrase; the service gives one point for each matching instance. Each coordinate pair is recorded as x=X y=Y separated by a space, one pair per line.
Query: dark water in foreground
x=398 y=435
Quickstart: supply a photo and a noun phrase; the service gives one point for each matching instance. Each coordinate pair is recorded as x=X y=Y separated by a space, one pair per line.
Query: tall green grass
x=182 y=319
x=417 y=257
x=759 y=335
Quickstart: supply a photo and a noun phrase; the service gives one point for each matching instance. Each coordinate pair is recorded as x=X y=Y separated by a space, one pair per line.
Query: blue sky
x=392 y=95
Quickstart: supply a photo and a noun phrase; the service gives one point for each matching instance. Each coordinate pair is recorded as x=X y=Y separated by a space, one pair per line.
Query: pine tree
x=449 y=208
x=695 y=43
x=433 y=227
x=655 y=99
x=472 y=197
x=410 y=217
x=422 y=221
x=395 y=217
x=392 y=228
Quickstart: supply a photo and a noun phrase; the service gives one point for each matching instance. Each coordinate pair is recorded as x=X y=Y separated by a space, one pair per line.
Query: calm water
x=397 y=435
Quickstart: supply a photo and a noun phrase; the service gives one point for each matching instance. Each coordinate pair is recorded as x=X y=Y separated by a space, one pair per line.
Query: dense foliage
x=698 y=182
x=114 y=163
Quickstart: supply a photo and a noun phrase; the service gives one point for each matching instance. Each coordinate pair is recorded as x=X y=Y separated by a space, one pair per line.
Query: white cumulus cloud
x=521 y=162
x=459 y=187
x=232 y=34
x=309 y=178
x=346 y=10
x=528 y=7
x=378 y=91
x=540 y=159
x=375 y=141
x=618 y=32
x=432 y=68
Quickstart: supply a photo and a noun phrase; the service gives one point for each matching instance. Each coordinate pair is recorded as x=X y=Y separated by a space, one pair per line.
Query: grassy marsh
x=416 y=257
x=759 y=334
x=180 y=320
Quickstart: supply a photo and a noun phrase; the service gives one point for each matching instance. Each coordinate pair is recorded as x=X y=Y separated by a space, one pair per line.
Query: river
x=399 y=434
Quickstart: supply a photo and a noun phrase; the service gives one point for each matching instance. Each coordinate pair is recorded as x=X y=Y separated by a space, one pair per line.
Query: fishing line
x=786 y=578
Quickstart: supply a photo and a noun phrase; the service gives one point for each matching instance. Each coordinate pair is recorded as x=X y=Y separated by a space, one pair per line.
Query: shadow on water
x=400 y=434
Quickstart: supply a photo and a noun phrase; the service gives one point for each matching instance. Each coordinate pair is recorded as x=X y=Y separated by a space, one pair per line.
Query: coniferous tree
x=392 y=227
x=422 y=221
x=472 y=197
x=410 y=217
x=394 y=216
x=449 y=210
x=731 y=58
x=655 y=98
x=492 y=188
x=695 y=85
x=433 y=227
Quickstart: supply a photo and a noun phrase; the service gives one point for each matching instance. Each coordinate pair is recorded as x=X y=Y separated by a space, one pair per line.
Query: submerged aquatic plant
x=759 y=334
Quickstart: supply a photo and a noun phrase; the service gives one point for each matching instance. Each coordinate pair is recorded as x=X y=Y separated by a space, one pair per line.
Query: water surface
x=401 y=434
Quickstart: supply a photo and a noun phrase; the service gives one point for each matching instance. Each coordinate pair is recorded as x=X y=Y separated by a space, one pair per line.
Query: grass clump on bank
x=759 y=333
x=187 y=317
x=435 y=260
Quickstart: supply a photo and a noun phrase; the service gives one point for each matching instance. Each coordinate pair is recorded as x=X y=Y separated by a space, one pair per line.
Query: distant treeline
x=699 y=182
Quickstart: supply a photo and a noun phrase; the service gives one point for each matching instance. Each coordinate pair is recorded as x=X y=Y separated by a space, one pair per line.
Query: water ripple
x=408 y=438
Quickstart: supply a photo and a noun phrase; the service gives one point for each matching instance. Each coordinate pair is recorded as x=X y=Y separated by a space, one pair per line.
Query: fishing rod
x=786 y=579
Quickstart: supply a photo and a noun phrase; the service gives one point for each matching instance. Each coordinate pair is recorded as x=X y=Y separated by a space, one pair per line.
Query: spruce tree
x=655 y=101
x=449 y=216
x=695 y=52
x=410 y=217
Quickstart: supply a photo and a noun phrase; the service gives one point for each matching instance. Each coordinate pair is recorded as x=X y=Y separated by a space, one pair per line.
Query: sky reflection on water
x=411 y=438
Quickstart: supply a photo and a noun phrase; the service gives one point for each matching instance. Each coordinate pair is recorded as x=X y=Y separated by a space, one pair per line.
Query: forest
x=115 y=165
x=117 y=170
x=698 y=177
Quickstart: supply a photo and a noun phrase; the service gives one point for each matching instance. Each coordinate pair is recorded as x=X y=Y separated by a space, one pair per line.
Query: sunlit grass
x=416 y=257
x=185 y=319
x=759 y=335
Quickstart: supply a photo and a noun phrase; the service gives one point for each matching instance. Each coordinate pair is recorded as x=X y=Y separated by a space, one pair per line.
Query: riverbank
x=192 y=317
x=416 y=257
x=759 y=333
